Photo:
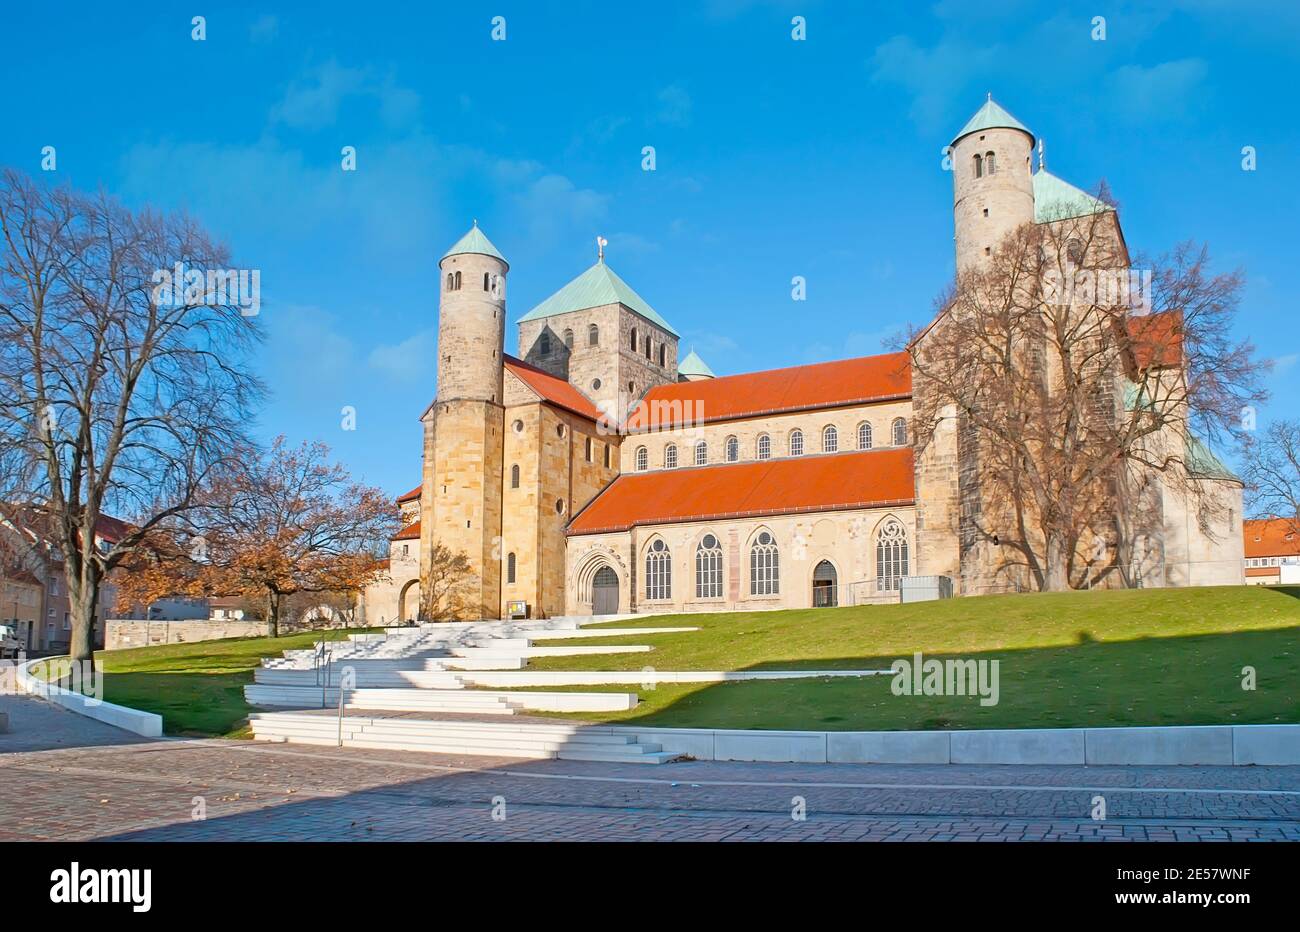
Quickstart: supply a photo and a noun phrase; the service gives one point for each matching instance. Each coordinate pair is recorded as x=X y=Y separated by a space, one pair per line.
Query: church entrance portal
x=604 y=592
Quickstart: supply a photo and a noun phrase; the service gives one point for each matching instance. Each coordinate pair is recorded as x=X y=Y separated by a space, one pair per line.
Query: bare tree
x=120 y=396
x=1272 y=473
x=1074 y=381
x=444 y=590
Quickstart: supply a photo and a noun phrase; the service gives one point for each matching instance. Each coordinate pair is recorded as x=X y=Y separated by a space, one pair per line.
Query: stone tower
x=992 y=180
x=461 y=501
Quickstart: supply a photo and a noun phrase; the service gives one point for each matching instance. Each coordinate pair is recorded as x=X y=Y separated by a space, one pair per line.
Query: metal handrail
x=321 y=660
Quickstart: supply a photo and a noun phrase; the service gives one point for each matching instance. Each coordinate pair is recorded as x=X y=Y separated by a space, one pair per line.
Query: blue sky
x=775 y=158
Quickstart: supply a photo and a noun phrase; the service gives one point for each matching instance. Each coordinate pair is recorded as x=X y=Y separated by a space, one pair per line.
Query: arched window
x=514 y=476
x=451 y=282
x=891 y=556
x=701 y=453
x=899 y=432
x=979 y=167
x=764 y=566
x=593 y=335
x=587 y=448
x=487 y=282
x=658 y=571
x=568 y=338
x=708 y=568
x=830 y=439
x=989 y=165
x=647 y=348
x=733 y=449
x=632 y=341
x=663 y=354
x=796 y=442
x=510 y=567
x=764 y=448
x=456 y=286
x=642 y=459
x=864 y=436
x=544 y=343
x=670 y=456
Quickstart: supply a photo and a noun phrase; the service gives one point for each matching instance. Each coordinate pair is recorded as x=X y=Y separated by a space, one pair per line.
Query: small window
x=989 y=165
x=864 y=436
x=733 y=449
x=487 y=281
x=796 y=442
x=559 y=506
x=642 y=459
x=647 y=348
x=456 y=286
x=631 y=388
x=764 y=449
x=701 y=453
x=830 y=439
x=451 y=282
x=670 y=456
x=607 y=454
x=568 y=338
x=900 y=432
x=663 y=355
x=559 y=430
x=979 y=167
x=1074 y=251
x=510 y=567
x=514 y=476
x=587 y=448
x=593 y=335
x=595 y=385
x=544 y=343
x=519 y=427
x=632 y=341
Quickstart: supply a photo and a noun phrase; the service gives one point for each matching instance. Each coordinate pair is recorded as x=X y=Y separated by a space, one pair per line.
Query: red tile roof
x=410 y=532
x=1271 y=537
x=552 y=389
x=825 y=482
x=1157 y=339
x=411 y=495
x=798 y=388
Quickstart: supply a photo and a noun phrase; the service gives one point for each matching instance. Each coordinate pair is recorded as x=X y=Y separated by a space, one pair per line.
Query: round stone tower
x=992 y=179
x=471 y=320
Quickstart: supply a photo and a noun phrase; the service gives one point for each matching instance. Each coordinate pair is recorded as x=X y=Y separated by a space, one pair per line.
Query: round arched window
x=658 y=546
x=710 y=542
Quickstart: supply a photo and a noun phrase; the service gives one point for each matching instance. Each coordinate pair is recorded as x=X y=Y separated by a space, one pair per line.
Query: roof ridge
x=806 y=365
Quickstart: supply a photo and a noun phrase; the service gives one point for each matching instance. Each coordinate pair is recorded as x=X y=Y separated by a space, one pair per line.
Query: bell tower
x=992 y=178
x=463 y=428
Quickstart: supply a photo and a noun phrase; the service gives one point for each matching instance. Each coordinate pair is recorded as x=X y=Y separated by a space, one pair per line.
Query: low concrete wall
x=130 y=632
x=1188 y=745
x=133 y=720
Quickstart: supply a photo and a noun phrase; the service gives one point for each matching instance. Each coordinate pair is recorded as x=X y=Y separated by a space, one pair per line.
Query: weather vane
x=601 y=243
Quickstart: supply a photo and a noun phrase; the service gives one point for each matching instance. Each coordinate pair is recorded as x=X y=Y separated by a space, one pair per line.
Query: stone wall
x=127 y=632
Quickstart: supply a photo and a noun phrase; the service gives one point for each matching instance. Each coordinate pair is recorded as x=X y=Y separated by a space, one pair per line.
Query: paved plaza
x=66 y=778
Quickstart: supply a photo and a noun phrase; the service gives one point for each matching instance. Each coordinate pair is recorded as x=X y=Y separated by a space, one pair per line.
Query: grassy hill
x=1141 y=657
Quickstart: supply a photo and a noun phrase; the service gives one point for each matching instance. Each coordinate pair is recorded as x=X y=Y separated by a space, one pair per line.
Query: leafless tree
x=1272 y=473
x=1074 y=382
x=118 y=396
x=444 y=588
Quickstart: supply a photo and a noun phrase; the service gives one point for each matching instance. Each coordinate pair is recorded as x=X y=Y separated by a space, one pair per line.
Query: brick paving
x=149 y=790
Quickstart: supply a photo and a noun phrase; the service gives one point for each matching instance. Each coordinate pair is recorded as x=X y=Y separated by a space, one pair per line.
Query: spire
x=991 y=116
x=474 y=243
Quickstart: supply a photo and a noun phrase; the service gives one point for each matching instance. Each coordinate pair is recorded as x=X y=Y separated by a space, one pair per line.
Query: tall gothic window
x=830 y=439
x=708 y=568
x=900 y=432
x=764 y=450
x=891 y=556
x=670 y=456
x=701 y=453
x=642 y=459
x=733 y=449
x=864 y=436
x=796 y=442
x=514 y=476
x=764 y=566
x=658 y=571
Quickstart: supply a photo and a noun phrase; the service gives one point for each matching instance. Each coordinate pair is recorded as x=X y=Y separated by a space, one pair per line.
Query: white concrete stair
x=400 y=699
x=519 y=740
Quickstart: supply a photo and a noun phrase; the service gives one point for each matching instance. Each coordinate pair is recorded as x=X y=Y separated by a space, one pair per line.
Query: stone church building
x=593 y=473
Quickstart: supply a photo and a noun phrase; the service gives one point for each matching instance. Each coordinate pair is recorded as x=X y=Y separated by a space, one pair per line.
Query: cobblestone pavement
x=254 y=791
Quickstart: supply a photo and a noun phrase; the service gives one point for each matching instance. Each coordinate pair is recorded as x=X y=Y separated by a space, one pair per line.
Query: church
x=595 y=473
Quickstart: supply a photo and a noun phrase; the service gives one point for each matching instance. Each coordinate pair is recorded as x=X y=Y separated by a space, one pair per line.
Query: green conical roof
x=694 y=365
x=596 y=287
x=476 y=244
x=1055 y=199
x=991 y=116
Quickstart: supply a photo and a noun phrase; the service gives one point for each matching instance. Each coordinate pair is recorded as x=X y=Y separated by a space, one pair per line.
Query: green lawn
x=1151 y=657
x=1148 y=657
x=197 y=688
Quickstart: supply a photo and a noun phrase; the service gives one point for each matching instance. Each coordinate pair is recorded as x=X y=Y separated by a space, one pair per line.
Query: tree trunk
x=1055 y=571
x=273 y=613
x=83 y=596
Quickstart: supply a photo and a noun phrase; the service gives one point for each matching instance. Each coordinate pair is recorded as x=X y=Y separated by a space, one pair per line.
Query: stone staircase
x=514 y=740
